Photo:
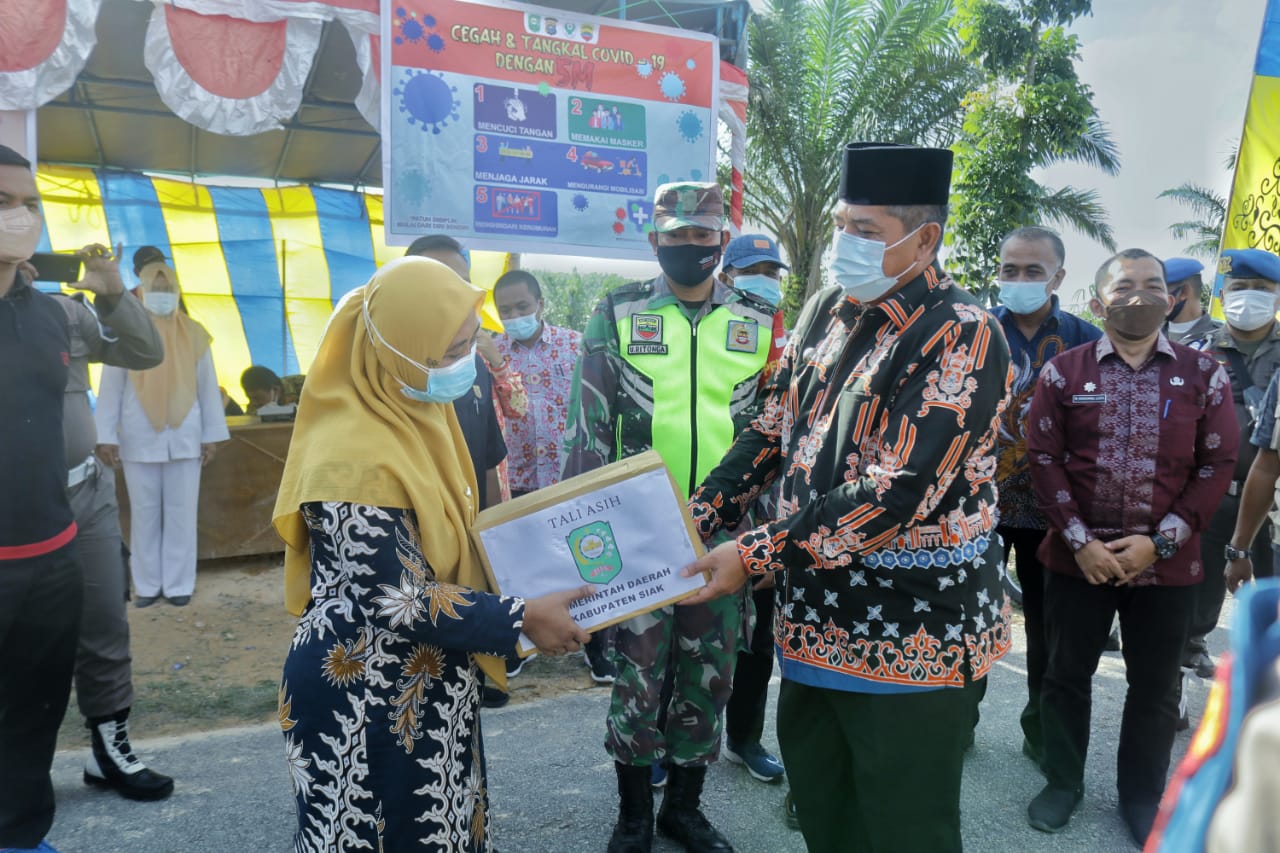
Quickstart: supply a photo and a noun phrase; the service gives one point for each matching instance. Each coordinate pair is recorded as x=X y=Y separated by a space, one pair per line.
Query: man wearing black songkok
x=881 y=426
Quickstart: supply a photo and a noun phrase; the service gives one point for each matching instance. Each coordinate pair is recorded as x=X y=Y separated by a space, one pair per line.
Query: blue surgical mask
x=766 y=287
x=1023 y=297
x=444 y=384
x=522 y=328
x=858 y=266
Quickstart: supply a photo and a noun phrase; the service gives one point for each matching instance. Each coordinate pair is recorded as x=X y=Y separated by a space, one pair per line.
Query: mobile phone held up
x=57 y=267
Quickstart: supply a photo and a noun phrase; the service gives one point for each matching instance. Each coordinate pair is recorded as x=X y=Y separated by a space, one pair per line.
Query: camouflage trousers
x=696 y=648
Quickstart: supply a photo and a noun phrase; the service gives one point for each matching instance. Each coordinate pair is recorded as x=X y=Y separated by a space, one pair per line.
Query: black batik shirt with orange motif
x=881 y=426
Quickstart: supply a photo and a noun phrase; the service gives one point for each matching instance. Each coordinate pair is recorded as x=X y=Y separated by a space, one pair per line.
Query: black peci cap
x=886 y=173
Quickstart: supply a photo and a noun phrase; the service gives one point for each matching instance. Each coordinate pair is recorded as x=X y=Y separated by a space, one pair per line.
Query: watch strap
x=1231 y=552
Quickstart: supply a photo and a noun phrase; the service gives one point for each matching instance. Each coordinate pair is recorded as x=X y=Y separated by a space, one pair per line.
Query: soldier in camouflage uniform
x=675 y=365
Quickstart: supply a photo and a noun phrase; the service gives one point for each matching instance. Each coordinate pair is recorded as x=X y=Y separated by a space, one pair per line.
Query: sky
x=1171 y=79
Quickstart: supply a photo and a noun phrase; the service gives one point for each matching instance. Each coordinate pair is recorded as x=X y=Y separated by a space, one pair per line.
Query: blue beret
x=1176 y=269
x=1249 y=263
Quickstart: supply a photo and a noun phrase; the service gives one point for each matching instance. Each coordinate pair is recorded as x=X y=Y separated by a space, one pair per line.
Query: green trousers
x=876 y=772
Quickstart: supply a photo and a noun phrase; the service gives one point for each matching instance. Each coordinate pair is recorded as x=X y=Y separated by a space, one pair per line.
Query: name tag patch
x=1088 y=398
x=646 y=335
x=743 y=336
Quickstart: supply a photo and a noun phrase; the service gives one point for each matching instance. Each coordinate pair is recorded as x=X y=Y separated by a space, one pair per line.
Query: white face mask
x=857 y=265
x=19 y=234
x=162 y=304
x=1249 y=310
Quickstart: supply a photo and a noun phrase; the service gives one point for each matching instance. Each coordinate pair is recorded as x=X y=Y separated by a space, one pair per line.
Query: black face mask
x=1177 y=309
x=688 y=265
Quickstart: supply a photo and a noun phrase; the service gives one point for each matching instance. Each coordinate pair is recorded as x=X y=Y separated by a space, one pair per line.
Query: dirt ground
x=216 y=662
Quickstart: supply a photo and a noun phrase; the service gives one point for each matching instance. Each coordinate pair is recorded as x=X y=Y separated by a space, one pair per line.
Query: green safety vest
x=703 y=379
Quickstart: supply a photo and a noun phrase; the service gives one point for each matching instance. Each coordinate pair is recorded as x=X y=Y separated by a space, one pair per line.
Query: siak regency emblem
x=595 y=551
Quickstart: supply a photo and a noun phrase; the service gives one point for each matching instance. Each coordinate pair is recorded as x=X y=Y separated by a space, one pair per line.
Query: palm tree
x=1030 y=112
x=828 y=72
x=1204 y=232
x=1210 y=210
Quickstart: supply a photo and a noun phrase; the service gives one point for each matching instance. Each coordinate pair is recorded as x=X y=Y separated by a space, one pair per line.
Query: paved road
x=552 y=785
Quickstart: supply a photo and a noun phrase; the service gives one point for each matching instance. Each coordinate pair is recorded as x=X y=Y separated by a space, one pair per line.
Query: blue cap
x=1249 y=263
x=750 y=249
x=1176 y=269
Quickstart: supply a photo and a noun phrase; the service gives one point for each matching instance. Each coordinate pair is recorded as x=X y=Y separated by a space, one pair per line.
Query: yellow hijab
x=168 y=391
x=358 y=439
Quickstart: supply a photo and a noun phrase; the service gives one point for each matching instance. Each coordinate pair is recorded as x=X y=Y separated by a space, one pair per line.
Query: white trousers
x=162 y=529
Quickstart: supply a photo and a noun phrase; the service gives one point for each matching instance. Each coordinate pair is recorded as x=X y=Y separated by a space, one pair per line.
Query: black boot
x=113 y=765
x=634 y=831
x=681 y=818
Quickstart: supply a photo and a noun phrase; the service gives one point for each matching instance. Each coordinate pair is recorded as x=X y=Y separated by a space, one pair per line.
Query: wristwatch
x=1165 y=547
x=1234 y=553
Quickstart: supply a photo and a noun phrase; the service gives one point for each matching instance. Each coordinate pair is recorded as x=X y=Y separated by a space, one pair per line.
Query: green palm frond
x=1078 y=209
x=1203 y=201
x=827 y=72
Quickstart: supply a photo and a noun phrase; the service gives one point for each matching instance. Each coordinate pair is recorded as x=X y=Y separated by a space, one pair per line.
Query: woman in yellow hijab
x=380 y=695
x=163 y=424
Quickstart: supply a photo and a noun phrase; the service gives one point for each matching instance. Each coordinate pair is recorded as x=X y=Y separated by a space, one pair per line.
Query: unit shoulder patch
x=743 y=336
x=646 y=328
x=646 y=335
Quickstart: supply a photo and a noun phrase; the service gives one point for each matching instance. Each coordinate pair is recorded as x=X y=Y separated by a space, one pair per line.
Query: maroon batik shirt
x=1117 y=452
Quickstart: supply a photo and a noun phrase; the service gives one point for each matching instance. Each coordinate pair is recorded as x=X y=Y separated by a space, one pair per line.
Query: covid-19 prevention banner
x=520 y=128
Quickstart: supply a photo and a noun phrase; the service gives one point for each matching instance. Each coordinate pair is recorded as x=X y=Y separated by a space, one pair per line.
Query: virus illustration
x=414 y=30
x=414 y=186
x=690 y=64
x=672 y=86
x=426 y=97
x=581 y=202
x=409 y=28
x=544 y=88
x=689 y=125
x=644 y=69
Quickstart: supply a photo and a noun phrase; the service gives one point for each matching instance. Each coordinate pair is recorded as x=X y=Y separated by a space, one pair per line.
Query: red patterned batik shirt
x=880 y=426
x=533 y=441
x=1117 y=452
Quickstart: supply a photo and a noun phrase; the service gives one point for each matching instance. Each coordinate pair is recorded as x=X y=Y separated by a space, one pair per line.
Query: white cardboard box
x=623 y=528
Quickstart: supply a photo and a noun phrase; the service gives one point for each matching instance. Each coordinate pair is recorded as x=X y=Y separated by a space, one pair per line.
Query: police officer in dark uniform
x=1248 y=346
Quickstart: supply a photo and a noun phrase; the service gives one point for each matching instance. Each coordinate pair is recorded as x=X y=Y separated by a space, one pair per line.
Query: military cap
x=688 y=205
x=1249 y=263
x=1176 y=269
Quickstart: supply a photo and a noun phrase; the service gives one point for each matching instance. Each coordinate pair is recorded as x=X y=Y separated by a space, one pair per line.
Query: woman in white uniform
x=162 y=425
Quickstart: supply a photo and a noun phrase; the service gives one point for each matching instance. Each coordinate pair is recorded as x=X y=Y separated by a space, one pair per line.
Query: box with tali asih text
x=623 y=529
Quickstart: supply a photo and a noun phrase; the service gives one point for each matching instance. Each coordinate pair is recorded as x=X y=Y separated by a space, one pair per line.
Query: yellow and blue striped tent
x=261 y=267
